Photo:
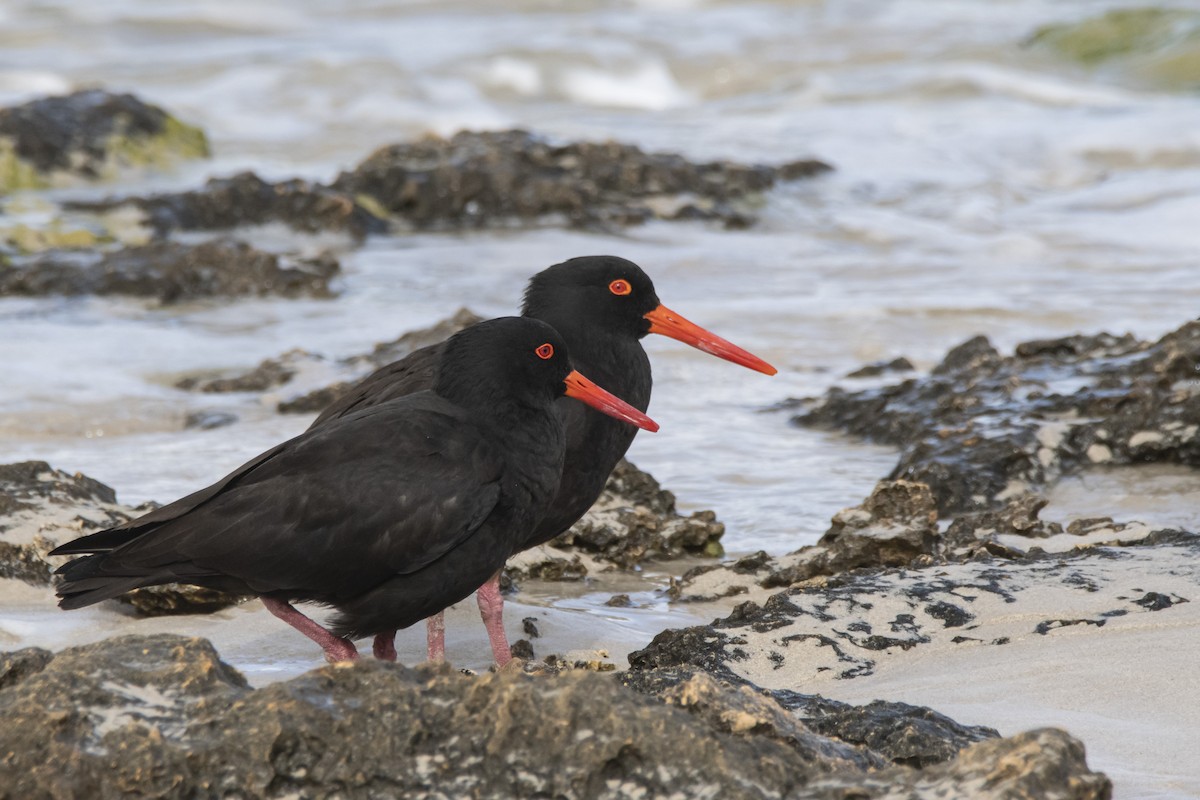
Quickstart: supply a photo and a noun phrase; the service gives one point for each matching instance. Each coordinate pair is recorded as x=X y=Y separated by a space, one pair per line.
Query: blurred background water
x=988 y=180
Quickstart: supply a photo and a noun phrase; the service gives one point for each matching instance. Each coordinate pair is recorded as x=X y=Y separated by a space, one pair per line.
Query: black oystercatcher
x=602 y=306
x=388 y=514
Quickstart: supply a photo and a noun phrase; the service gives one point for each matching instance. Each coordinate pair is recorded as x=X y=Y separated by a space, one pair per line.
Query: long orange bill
x=665 y=321
x=585 y=391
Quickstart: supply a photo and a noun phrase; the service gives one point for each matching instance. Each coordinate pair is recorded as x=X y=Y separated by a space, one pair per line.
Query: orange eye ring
x=620 y=287
x=545 y=351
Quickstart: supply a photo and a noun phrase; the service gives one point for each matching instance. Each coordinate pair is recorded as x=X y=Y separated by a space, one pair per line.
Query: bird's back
x=414 y=373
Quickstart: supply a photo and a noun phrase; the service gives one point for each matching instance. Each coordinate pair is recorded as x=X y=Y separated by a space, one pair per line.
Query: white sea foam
x=648 y=86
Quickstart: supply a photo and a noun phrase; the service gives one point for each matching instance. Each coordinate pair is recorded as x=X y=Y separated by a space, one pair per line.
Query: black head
x=515 y=358
x=518 y=362
x=593 y=294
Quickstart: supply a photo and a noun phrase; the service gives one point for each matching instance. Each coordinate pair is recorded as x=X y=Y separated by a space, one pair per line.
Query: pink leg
x=435 y=634
x=384 y=646
x=491 y=608
x=336 y=648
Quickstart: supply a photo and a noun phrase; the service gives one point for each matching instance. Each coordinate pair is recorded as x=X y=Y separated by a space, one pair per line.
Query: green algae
x=176 y=142
x=1157 y=46
x=27 y=239
x=15 y=172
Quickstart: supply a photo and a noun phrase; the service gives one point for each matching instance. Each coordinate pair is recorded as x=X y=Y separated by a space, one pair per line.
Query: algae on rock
x=90 y=134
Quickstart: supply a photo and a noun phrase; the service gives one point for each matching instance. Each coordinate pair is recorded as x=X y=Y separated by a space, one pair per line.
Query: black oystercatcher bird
x=602 y=306
x=389 y=514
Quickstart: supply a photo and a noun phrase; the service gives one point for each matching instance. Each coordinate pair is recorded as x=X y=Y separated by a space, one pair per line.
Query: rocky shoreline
x=948 y=558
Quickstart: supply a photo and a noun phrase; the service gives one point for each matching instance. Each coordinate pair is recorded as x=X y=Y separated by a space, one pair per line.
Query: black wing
x=414 y=373
x=325 y=516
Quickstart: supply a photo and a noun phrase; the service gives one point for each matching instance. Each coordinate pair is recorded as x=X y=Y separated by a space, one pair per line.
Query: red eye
x=545 y=351
x=619 y=287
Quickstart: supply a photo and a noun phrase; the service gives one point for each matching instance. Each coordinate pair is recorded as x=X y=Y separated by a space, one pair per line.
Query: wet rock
x=247 y=200
x=269 y=373
x=42 y=507
x=89 y=134
x=884 y=731
x=474 y=180
x=545 y=564
x=984 y=427
x=496 y=178
x=634 y=520
x=19 y=665
x=619 y=601
x=841 y=626
x=316 y=400
x=900 y=364
x=209 y=420
x=931 y=754
x=164 y=716
x=171 y=272
x=893 y=527
x=173 y=599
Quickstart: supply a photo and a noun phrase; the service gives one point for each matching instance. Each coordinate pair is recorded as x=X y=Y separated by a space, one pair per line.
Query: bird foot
x=340 y=651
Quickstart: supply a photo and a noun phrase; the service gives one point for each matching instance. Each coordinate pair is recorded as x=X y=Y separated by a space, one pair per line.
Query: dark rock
x=163 y=716
x=208 y=420
x=838 y=624
x=900 y=364
x=473 y=180
x=494 y=178
x=634 y=520
x=748 y=565
x=1054 y=624
x=40 y=507
x=893 y=527
x=88 y=134
x=914 y=736
x=523 y=649
x=247 y=200
x=972 y=535
x=619 y=601
x=173 y=599
x=542 y=565
x=315 y=401
x=529 y=625
x=974 y=354
x=899 y=733
x=1153 y=601
x=19 y=665
x=269 y=374
x=983 y=426
x=171 y=272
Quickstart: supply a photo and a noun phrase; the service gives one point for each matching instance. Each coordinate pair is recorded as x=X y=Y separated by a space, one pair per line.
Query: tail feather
x=84 y=582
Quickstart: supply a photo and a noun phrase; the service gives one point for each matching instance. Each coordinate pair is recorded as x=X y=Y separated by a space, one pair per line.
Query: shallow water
x=981 y=187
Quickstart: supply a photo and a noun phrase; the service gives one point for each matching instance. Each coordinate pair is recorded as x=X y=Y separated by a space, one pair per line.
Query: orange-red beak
x=665 y=321
x=585 y=391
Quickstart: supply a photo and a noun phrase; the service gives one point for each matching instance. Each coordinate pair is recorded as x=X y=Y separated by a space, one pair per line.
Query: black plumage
x=389 y=513
x=602 y=306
